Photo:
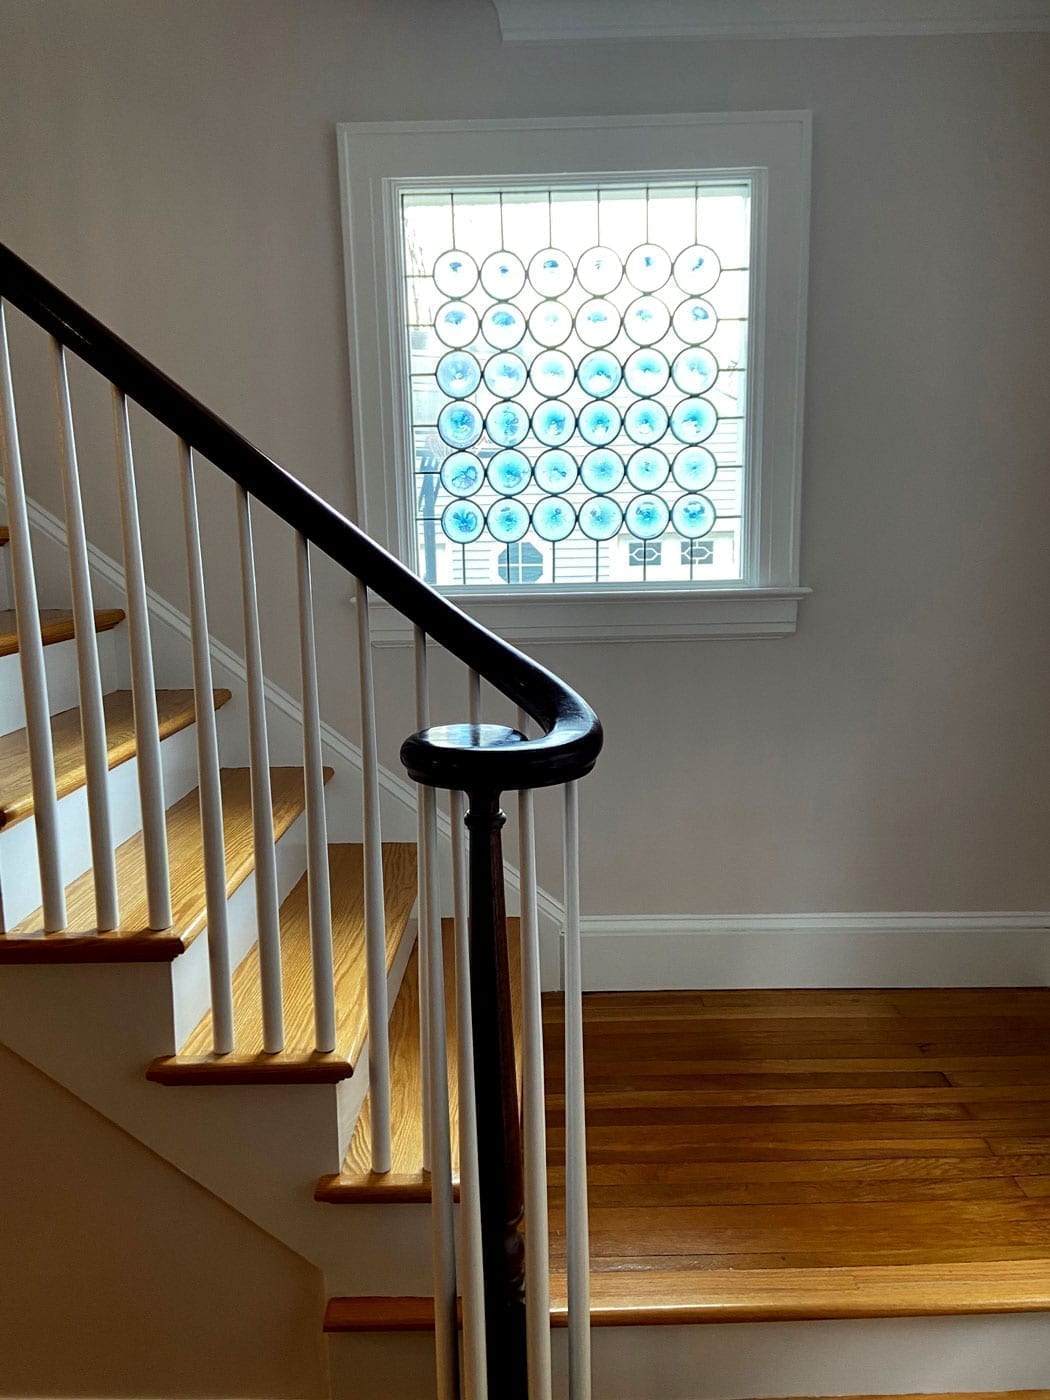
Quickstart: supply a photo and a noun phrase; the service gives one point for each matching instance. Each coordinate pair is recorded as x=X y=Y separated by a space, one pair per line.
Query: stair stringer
x=173 y=663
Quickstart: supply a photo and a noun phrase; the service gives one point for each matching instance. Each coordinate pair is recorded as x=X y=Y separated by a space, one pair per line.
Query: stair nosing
x=62 y=629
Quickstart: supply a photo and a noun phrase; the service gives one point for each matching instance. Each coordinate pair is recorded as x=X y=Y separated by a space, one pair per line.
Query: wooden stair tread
x=778 y=1295
x=134 y=941
x=175 y=710
x=56 y=625
x=406 y=1181
x=299 y=1062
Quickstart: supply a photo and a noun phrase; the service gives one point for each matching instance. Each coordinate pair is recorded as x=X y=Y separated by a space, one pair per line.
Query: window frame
x=381 y=161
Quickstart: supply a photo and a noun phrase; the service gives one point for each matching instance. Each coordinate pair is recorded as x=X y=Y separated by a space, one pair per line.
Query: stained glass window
x=577 y=361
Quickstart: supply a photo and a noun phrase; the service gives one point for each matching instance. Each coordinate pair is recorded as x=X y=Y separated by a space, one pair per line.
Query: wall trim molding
x=550 y=21
x=899 y=949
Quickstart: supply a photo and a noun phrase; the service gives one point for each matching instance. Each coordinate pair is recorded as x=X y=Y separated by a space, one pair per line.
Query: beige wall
x=121 y=1277
x=172 y=162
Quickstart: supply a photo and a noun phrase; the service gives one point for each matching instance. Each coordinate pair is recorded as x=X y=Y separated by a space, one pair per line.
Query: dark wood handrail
x=465 y=757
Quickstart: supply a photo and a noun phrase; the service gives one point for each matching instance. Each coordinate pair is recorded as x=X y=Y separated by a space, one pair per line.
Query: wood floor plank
x=56 y=625
x=175 y=710
x=298 y=1062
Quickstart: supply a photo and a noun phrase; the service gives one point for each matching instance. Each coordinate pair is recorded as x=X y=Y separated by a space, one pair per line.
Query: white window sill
x=614 y=615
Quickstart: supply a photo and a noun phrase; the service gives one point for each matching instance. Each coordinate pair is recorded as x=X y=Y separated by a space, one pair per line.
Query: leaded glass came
x=578 y=369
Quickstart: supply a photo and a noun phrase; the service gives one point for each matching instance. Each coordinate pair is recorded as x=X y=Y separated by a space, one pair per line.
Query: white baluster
x=443 y=1244
x=422 y=943
x=319 y=888
x=31 y=654
x=266 y=903
x=375 y=903
x=534 y=1125
x=576 y=1226
x=143 y=686
x=208 y=780
x=89 y=678
x=472 y=1272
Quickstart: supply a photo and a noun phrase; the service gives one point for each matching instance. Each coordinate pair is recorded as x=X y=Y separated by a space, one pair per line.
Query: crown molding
x=547 y=21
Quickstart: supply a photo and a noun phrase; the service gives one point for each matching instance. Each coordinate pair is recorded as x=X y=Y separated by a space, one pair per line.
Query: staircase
x=223 y=929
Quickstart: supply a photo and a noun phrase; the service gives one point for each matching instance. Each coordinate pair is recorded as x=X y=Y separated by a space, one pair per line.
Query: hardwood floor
x=812 y=1130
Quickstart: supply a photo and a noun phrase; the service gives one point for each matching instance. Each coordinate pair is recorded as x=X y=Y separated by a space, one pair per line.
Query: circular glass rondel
x=503 y=326
x=507 y=424
x=554 y=422
x=455 y=273
x=555 y=471
x=509 y=472
x=694 y=370
x=599 y=422
x=599 y=270
x=505 y=375
x=456 y=324
x=552 y=373
x=646 y=517
x=599 y=373
x=502 y=274
x=597 y=322
x=462 y=474
x=693 y=420
x=648 y=469
x=459 y=424
x=507 y=521
x=694 y=468
x=646 y=320
x=697 y=269
x=601 y=470
x=648 y=267
x=695 y=321
x=462 y=522
x=550 y=323
x=645 y=422
x=551 y=272
x=600 y=518
x=693 y=516
x=553 y=519
x=458 y=374
x=646 y=372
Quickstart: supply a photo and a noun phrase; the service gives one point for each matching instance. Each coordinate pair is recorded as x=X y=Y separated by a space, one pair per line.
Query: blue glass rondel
x=551 y=272
x=555 y=471
x=648 y=469
x=694 y=370
x=503 y=326
x=601 y=470
x=648 y=267
x=646 y=372
x=456 y=324
x=697 y=269
x=554 y=422
x=599 y=373
x=599 y=270
x=646 y=320
x=505 y=375
x=600 y=518
x=455 y=273
x=509 y=472
x=462 y=474
x=507 y=521
x=693 y=516
x=695 y=321
x=550 y=323
x=459 y=424
x=647 y=517
x=553 y=519
x=502 y=275
x=597 y=322
x=693 y=420
x=458 y=374
x=694 y=468
x=462 y=522
x=599 y=422
x=507 y=424
x=551 y=373
x=645 y=422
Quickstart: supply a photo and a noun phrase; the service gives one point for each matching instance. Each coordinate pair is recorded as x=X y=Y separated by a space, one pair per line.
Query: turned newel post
x=496 y=1096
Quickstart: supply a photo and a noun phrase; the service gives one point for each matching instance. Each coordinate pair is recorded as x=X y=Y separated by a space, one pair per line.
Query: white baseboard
x=935 y=949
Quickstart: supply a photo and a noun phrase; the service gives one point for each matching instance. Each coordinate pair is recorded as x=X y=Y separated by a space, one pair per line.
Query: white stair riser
x=19 y=867
x=731 y=1361
x=60 y=664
